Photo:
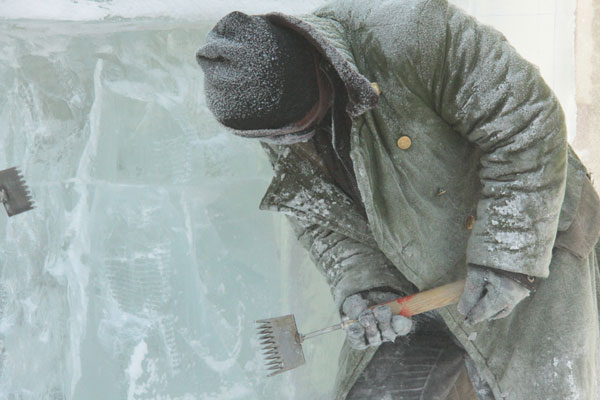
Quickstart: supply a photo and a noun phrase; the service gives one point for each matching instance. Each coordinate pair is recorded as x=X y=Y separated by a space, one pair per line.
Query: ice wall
x=145 y=262
x=194 y=10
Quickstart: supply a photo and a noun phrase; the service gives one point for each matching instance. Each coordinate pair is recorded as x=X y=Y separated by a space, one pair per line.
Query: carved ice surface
x=146 y=261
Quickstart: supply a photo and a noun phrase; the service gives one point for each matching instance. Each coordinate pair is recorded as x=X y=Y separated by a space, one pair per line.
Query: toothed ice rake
x=14 y=193
x=282 y=343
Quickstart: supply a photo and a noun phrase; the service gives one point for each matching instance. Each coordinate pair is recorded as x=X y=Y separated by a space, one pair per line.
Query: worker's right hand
x=374 y=325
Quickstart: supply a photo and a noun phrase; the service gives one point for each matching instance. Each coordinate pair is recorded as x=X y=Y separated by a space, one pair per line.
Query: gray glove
x=489 y=295
x=375 y=325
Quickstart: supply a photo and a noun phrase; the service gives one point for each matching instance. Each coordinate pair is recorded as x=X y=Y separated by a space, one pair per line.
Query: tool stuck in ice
x=282 y=343
x=14 y=193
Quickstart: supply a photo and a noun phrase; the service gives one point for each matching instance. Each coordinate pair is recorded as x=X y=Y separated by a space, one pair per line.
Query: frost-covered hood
x=325 y=36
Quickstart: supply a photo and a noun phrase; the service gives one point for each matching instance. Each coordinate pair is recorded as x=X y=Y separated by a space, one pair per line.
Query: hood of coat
x=326 y=37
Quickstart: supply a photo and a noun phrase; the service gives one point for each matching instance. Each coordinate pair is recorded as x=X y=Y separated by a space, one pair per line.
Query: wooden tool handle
x=428 y=300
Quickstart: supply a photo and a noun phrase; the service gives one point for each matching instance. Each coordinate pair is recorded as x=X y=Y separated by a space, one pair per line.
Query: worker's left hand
x=489 y=295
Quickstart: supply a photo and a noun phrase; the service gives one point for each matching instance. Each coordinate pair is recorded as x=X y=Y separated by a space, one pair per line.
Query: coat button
x=404 y=143
x=376 y=87
x=469 y=222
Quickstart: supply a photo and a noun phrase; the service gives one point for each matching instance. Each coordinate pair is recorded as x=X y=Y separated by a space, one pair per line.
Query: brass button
x=404 y=143
x=376 y=87
x=469 y=222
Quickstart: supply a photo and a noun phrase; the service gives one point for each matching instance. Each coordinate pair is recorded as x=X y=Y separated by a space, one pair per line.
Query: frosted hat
x=259 y=76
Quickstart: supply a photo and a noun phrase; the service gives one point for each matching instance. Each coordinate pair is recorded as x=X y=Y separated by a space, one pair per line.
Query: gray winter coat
x=461 y=158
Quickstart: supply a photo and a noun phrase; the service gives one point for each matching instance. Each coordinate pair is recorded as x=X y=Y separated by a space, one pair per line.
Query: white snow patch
x=221 y=366
x=574 y=395
x=135 y=369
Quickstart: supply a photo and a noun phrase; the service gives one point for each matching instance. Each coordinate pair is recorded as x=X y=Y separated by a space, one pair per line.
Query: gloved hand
x=489 y=295
x=375 y=325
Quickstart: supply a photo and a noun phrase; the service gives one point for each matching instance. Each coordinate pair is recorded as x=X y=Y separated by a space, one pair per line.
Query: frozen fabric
x=488 y=179
x=425 y=366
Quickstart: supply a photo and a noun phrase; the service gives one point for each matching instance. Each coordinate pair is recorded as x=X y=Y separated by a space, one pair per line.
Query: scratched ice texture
x=140 y=272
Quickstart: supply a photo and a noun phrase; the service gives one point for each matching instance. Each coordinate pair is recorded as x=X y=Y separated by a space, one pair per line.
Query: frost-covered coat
x=461 y=158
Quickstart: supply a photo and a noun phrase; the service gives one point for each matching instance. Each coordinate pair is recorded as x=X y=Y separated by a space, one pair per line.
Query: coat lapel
x=301 y=188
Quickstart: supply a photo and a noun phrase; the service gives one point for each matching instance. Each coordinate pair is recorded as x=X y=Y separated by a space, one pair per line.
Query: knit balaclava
x=259 y=76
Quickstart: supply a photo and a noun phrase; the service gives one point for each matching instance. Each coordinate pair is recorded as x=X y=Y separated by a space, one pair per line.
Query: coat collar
x=300 y=189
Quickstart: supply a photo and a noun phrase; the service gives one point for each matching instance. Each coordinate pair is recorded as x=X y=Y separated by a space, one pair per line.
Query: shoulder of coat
x=362 y=14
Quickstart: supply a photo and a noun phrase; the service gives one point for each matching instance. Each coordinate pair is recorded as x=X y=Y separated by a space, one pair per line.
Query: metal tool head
x=14 y=193
x=281 y=343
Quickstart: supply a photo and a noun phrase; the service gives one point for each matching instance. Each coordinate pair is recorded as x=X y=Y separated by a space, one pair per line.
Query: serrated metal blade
x=14 y=193
x=281 y=344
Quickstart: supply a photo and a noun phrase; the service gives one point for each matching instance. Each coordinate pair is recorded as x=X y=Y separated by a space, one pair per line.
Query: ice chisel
x=282 y=343
x=14 y=193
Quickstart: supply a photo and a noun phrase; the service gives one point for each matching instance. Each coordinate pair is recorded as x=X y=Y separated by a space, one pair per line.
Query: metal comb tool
x=14 y=193
x=282 y=343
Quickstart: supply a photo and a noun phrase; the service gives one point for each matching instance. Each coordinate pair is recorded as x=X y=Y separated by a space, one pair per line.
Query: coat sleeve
x=497 y=100
x=328 y=225
x=348 y=266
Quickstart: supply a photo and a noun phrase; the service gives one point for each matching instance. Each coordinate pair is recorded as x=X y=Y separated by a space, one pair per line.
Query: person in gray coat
x=412 y=147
